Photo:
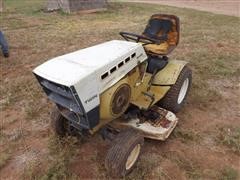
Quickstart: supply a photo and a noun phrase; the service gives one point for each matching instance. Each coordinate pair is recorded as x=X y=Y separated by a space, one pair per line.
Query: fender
x=170 y=73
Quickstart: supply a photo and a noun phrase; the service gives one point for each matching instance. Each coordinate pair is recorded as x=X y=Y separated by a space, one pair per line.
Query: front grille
x=67 y=101
x=61 y=95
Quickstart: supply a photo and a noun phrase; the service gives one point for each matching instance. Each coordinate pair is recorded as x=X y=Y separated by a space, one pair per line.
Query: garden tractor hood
x=89 y=72
x=94 y=61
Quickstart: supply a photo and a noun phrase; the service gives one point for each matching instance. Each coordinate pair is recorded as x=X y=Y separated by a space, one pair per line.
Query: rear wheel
x=124 y=153
x=58 y=123
x=176 y=96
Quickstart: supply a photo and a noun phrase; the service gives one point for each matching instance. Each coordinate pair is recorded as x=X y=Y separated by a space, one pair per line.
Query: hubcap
x=132 y=158
x=183 y=91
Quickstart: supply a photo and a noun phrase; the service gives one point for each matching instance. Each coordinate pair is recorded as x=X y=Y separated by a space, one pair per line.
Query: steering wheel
x=139 y=38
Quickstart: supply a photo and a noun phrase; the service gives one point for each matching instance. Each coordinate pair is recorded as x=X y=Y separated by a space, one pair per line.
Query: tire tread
x=119 y=151
x=169 y=101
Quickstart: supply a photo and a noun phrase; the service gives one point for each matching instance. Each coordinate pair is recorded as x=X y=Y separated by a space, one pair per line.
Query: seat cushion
x=157 y=49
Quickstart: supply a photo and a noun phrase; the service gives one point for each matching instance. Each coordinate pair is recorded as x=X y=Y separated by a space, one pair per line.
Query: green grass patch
x=62 y=152
x=26 y=7
x=228 y=173
x=191 y=168
x=186 y=135
x=230 y=137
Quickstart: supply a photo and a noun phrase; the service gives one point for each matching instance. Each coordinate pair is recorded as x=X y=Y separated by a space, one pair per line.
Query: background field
x=226 y=7
x=206 y=142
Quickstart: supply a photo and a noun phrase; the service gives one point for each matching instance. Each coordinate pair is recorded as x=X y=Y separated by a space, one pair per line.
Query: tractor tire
x=58 y=123
x=124 y=153
x=176 y=96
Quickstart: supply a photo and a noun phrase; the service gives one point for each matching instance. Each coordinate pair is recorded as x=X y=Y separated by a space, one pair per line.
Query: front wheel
x=58 y=123
x=176 y=96
x=124 y=153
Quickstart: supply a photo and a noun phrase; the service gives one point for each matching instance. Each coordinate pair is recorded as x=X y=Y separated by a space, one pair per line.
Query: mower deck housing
x=157 y=123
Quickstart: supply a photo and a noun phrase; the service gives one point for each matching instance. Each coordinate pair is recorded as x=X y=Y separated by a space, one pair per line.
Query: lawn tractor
x=127 y=90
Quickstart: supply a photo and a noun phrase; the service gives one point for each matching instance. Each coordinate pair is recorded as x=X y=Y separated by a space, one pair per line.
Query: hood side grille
x=61 y=95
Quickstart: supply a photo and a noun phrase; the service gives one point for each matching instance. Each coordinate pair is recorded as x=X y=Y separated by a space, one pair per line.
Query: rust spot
x=156 y=117
x=165 y=123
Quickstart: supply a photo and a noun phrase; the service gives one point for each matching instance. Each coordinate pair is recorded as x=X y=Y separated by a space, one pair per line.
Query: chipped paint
x=158 y=129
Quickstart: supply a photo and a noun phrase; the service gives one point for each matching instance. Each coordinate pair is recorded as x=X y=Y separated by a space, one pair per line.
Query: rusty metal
x=155 y=123
x=155 y=116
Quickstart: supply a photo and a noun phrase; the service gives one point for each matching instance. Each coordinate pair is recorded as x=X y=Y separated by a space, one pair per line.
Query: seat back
x=162 y=26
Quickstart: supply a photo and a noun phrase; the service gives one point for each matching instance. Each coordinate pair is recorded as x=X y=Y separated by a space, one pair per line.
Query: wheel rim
x=132 y=158
x=183 y=91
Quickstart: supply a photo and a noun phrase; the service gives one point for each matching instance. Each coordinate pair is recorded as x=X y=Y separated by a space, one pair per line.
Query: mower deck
x=156 y=123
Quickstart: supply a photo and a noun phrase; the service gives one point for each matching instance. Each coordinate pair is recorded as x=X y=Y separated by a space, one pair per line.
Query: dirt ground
x=206 y=141
x=227 y=7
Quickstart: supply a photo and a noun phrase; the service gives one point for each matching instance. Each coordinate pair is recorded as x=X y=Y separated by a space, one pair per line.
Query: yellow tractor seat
x=157 y=49
x=164 y=29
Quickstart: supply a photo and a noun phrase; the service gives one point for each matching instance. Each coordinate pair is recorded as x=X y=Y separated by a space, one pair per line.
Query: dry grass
x=145 y=167
x=229 y=173
x=190 y=167
x=210 y=43
x=186 y=135
x=55 y=166
x=230 y=137
x=4 y=157
x=62 y=152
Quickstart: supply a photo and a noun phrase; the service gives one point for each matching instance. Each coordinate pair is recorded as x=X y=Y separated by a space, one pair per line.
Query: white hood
x=71 y=68
x=85 y=69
